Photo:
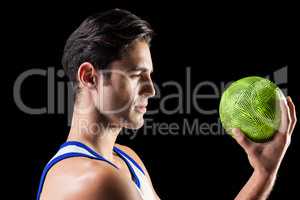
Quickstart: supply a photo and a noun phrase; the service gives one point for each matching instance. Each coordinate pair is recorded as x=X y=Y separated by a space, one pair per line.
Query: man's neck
x=92 y=129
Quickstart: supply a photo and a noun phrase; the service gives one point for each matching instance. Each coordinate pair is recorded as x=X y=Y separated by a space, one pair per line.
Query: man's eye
x=136 y=75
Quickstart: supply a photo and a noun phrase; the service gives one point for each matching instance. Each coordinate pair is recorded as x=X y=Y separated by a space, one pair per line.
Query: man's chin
x=134 y=124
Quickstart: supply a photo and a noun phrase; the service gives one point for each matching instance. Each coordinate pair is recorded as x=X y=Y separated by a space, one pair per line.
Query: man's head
x=108 y=60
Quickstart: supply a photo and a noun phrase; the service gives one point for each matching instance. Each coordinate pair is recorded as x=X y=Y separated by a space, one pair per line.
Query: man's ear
x=87 y=75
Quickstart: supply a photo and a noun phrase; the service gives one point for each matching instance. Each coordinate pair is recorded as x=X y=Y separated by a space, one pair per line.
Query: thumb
x=241 y=138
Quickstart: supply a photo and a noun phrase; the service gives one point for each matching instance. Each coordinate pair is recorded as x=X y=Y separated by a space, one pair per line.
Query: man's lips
x=141 y=108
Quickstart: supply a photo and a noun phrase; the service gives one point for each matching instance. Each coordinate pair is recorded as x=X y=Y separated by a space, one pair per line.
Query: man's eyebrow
x=138 y=68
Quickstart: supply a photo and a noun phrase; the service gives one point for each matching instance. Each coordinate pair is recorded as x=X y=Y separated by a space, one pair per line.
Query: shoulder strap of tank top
x=129 y=162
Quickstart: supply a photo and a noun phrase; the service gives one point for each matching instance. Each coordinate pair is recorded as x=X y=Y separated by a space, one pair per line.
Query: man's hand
x=265 y=158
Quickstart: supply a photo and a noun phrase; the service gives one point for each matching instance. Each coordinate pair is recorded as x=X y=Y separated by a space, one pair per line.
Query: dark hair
x=101 y=39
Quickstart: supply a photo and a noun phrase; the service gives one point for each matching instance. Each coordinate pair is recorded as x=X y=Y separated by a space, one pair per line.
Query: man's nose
x=147 y=88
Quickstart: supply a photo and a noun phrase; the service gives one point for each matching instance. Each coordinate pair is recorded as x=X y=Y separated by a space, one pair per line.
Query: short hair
x=101 y=39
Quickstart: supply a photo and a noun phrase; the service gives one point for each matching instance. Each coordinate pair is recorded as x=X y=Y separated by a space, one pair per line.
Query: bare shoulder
x=83 y=178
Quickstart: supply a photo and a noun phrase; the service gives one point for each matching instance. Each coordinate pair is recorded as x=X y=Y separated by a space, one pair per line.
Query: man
x=109 y=63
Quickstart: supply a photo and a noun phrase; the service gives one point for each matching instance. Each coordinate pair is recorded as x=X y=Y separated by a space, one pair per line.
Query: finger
x=285 y=116
x=292 y=113
x=242 y=139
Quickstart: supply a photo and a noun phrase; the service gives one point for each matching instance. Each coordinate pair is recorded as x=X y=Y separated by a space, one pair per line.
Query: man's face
x=123 y=97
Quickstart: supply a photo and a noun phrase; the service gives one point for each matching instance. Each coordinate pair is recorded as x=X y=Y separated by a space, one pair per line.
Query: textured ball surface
x=251 y=104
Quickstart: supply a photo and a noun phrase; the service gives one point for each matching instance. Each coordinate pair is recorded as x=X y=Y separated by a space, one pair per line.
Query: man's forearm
x=258 y=187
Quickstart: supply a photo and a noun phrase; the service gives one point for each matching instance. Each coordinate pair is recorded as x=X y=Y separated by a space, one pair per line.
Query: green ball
x=251 y=104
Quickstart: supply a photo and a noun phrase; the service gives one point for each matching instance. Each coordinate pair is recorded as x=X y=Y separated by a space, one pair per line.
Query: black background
x=221 y=43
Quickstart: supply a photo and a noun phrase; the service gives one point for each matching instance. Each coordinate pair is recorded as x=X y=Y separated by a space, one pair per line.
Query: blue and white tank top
x=76 y=149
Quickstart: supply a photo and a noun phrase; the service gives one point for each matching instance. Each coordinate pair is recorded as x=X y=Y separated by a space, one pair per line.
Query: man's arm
x=266 y=158
x=92 y=180
x=258 y=187
x=106 y=186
